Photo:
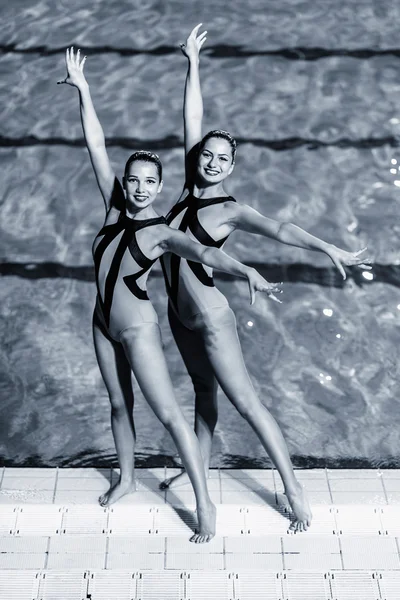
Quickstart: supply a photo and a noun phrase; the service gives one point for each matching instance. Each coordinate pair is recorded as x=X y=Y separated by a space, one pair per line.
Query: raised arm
x=179 y=243
x=247 y=219
x=193 y=101
x=92 y=129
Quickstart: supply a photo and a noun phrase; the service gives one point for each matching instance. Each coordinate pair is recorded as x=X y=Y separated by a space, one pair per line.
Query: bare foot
x=207 y=519
x=116 y=492
x=301 y=509
x=175 y=481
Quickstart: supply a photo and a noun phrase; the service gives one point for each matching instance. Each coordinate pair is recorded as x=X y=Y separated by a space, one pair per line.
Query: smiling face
x=215 y=160
x=142 y=183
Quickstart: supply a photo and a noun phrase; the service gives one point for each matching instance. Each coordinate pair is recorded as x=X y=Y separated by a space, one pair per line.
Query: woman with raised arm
x=125 y=326
x=201 y=320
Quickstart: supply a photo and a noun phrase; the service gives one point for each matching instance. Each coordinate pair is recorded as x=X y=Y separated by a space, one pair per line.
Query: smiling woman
x=125 y=325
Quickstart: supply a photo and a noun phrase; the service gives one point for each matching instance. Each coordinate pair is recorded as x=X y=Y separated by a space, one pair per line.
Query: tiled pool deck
x=56 y=542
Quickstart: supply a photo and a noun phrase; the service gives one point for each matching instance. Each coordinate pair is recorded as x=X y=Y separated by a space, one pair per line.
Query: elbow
x=207 y=256
x=284 y=231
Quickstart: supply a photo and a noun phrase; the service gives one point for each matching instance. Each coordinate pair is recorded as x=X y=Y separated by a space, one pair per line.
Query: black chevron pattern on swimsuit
x=127 y=241
x=190 y=220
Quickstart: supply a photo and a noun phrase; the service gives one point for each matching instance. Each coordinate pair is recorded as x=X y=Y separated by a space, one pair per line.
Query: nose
x=139 y=187
x=211 y=162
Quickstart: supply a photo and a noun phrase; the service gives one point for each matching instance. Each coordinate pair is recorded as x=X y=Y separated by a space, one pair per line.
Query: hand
x=75 y=74
x=257 y=283
x=342 y=257
x=194 y=43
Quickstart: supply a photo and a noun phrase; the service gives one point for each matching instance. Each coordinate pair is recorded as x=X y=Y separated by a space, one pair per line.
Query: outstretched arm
x=179 y=243
x=250 y=220
x=92 y=129
x=193 y=101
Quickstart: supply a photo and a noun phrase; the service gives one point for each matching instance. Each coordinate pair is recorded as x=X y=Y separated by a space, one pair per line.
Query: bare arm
x=248 y=219
x=92 y=129
x=179 y=243
x=193 y=101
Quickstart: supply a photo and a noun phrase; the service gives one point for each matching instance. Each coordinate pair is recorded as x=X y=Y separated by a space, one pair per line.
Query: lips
x=140 y=198
x=211 y=172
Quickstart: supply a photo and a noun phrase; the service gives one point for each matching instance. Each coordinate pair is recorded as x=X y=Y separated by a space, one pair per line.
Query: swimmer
x=126 y=333
x=202 y=323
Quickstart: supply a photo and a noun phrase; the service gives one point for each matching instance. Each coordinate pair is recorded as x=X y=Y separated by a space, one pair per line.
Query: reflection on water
x=311 y=91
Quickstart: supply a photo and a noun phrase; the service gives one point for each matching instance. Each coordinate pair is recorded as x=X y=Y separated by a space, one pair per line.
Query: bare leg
x=143 y=348
x=218 y=328
x=116 y=373
x=191 y=347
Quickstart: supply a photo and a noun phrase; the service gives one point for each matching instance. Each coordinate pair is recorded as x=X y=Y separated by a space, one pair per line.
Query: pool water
x=311 y=91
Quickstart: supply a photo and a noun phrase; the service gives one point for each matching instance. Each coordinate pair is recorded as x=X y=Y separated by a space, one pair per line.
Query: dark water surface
x=312 y=92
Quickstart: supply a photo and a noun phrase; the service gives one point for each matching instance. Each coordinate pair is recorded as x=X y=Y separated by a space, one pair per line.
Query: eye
x=151 y=181
x=224 y=158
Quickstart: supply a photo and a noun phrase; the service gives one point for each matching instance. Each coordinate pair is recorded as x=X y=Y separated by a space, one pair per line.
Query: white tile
x=265 y=520
x=136 y=545
x=20 y=544
x=30 y=472
x=202 y=562
x=254 y=474
x=157 y=473
x=243 y=561
x=32 y=484
x=308 y=474
x=230 y=520
x=229 y=484
x=217 y=585
x=389 y=584
x=390 y=517
x=157 y=585
x=136 y=498
x=181 y=545
x=323 y=498
x=107 y=585
x=136 y=562
x=22 y=561
x=39 y=520
x=180 y=498
x=18 y=585
x=8 y=519
x=83 y=484
x=84 y=520
x=243 y=498
x=392 y=485
x=310 y=485
x=271 y=544
x=356 y=485
x=258 y=585
x=390 y=474
x=78 y=472
x=371 y=561
x=393 y=498
x=75 y=544
x=26 y=497
x=68 y=586
x=353 y=474
x=368 y=544
x=372 y=498
x=312 y=562
x=358 y=519
x=311 y=544
x=178 y=521
x=306 y=586
x=348 y=585
x=124 y=520
x=68 y=560
x=76 y=497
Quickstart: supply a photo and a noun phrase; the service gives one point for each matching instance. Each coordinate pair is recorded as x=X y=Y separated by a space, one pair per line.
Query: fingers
x=274 y=298
x=82 y=63
x=339 y=266
x=359 y=252
x=194 y=31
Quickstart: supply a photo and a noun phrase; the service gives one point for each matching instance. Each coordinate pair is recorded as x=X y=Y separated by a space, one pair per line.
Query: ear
x=160 y=187
x=231 y=168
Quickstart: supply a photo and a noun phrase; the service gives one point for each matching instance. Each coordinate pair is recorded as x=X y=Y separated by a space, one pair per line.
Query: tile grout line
x=55 y=487
x=384 y=490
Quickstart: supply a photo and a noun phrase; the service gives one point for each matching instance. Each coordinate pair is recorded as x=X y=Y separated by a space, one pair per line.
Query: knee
x=249 y=409
x=118 y=406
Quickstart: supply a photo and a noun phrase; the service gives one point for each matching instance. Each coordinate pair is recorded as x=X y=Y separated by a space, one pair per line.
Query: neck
x=133 y=212
x=202 y=190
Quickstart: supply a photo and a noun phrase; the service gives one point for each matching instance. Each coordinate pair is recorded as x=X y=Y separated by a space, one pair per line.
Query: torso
x=190 y=285
x=121 y=272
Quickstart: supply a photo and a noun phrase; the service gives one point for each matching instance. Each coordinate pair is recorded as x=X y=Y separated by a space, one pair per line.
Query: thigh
x=222 y=345
x=143 y=348
x=191 y=347
x=114 y=366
